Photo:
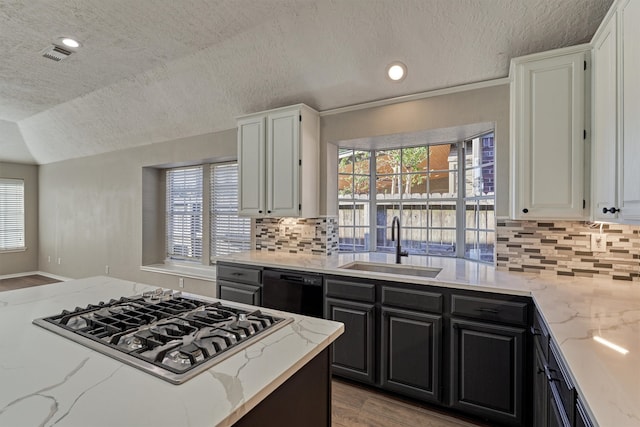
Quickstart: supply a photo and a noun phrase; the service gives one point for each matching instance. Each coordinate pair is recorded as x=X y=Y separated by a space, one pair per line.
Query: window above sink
x=445 y=209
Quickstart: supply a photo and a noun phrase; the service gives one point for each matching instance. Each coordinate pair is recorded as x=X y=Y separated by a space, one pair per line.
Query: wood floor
x=352 y=405
x=25 y=282
x=357 y=406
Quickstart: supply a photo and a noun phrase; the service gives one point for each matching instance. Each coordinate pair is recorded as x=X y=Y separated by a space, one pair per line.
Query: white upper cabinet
x=629 y=113
x=547 y=135
x=605 y=126
x=616 y=111
x=278 y=155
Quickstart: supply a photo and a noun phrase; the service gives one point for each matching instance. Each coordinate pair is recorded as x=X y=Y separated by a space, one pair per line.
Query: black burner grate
x=163 y=330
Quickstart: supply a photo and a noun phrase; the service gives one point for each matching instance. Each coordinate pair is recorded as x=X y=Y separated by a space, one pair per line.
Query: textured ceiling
x=155 y=70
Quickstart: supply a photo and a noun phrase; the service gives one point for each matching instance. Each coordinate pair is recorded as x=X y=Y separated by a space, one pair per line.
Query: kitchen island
x=577 y=310
x=49 y=380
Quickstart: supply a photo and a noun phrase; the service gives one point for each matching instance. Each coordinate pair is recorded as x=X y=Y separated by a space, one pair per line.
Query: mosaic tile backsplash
x=318 y=236
x=564 y=248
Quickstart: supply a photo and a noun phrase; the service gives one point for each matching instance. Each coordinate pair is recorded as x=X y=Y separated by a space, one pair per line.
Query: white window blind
x=184 y=213
x=11 y=214
x=229 y=233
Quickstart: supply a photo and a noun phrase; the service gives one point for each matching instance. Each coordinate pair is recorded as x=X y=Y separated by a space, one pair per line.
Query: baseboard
x=31 y=273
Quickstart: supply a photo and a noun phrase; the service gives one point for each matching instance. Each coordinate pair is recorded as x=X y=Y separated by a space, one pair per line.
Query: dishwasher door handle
x=294 y=279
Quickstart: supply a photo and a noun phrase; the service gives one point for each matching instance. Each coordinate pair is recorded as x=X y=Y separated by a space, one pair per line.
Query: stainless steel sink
x=408 y=270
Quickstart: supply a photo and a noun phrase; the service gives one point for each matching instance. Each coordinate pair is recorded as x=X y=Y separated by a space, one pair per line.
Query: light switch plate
x=308 y=231
x=598 y=242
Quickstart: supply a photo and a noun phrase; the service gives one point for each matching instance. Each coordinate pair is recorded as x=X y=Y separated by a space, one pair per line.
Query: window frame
x=207 y=217
x=239 y=221
x=169 y=213
x=16 y=218
x=460 y=201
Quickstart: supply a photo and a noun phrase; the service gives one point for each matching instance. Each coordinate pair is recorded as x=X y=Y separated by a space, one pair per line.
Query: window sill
x=12 y=250
x=200 y=272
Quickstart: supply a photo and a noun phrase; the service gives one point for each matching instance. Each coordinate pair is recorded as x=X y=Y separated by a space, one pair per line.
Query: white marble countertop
x=576 y=309
x=47 y=380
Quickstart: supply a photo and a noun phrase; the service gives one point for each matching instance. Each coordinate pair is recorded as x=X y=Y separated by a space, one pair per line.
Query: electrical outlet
x=49 y=258
x=59 y=261
x=598 y=242
x=181 y=282
x=308 y=231
x=106 y=269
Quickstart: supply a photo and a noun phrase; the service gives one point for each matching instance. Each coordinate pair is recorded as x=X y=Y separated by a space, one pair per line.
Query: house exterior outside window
x=445 y=210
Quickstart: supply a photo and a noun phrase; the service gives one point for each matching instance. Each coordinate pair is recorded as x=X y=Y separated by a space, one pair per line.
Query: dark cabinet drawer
x=365 y=292
x=412 y=299
x=239 y=273
x=489 y=309
x=245 y=294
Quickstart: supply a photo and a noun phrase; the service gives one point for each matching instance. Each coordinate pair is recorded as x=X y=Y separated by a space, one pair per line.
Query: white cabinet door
x=547 y=141
x=283 y=157
x=629 y=151
x=604 y=163
x=251 y=165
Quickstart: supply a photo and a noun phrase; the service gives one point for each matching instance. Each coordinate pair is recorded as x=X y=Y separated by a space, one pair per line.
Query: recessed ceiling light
x=397 y=71
x=70 y=42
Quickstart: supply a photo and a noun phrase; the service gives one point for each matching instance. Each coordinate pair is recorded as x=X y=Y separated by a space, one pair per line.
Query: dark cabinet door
x=411 y=347
x=556 y=411
x=353 y=351
x=487 y=370
x=239 y=292
x=539 y=389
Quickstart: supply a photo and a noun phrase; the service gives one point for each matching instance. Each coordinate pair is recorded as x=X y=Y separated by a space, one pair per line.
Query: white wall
x=91 y=208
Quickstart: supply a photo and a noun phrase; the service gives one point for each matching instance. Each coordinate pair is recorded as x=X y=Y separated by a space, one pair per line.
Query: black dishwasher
x=293 y=292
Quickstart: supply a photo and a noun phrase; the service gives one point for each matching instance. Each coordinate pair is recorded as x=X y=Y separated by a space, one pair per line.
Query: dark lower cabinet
x=411 y=347
x=353 y=351
x=295 y=403
x=487 y=370
x=239 y=292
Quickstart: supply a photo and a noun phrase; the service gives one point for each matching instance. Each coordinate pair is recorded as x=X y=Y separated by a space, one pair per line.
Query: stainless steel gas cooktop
x=164 y=333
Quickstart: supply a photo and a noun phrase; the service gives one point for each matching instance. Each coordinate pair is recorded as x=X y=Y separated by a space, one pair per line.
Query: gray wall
x=19 y=262
x=475 y=106
x=91 y=209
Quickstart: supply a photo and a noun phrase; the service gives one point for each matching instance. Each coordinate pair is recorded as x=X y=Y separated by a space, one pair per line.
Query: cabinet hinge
x=299 y=162
x=300 y=207
x=584 y=134
x=301 y=114
x=584 y=203
x=585 y=65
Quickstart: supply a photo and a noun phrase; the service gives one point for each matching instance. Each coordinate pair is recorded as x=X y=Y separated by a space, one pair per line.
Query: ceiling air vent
x=56 y=53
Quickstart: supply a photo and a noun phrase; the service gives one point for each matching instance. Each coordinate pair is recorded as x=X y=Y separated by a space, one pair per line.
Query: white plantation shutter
x=11 y=214
x=229 y=233
x=184 y=213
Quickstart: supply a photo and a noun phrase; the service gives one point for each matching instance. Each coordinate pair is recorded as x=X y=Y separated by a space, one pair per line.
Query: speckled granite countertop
x=576 y=310
x=47 y=380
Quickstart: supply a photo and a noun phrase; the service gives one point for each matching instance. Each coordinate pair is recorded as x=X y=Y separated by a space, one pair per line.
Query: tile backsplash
x=317 y=236
x=564 y=248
